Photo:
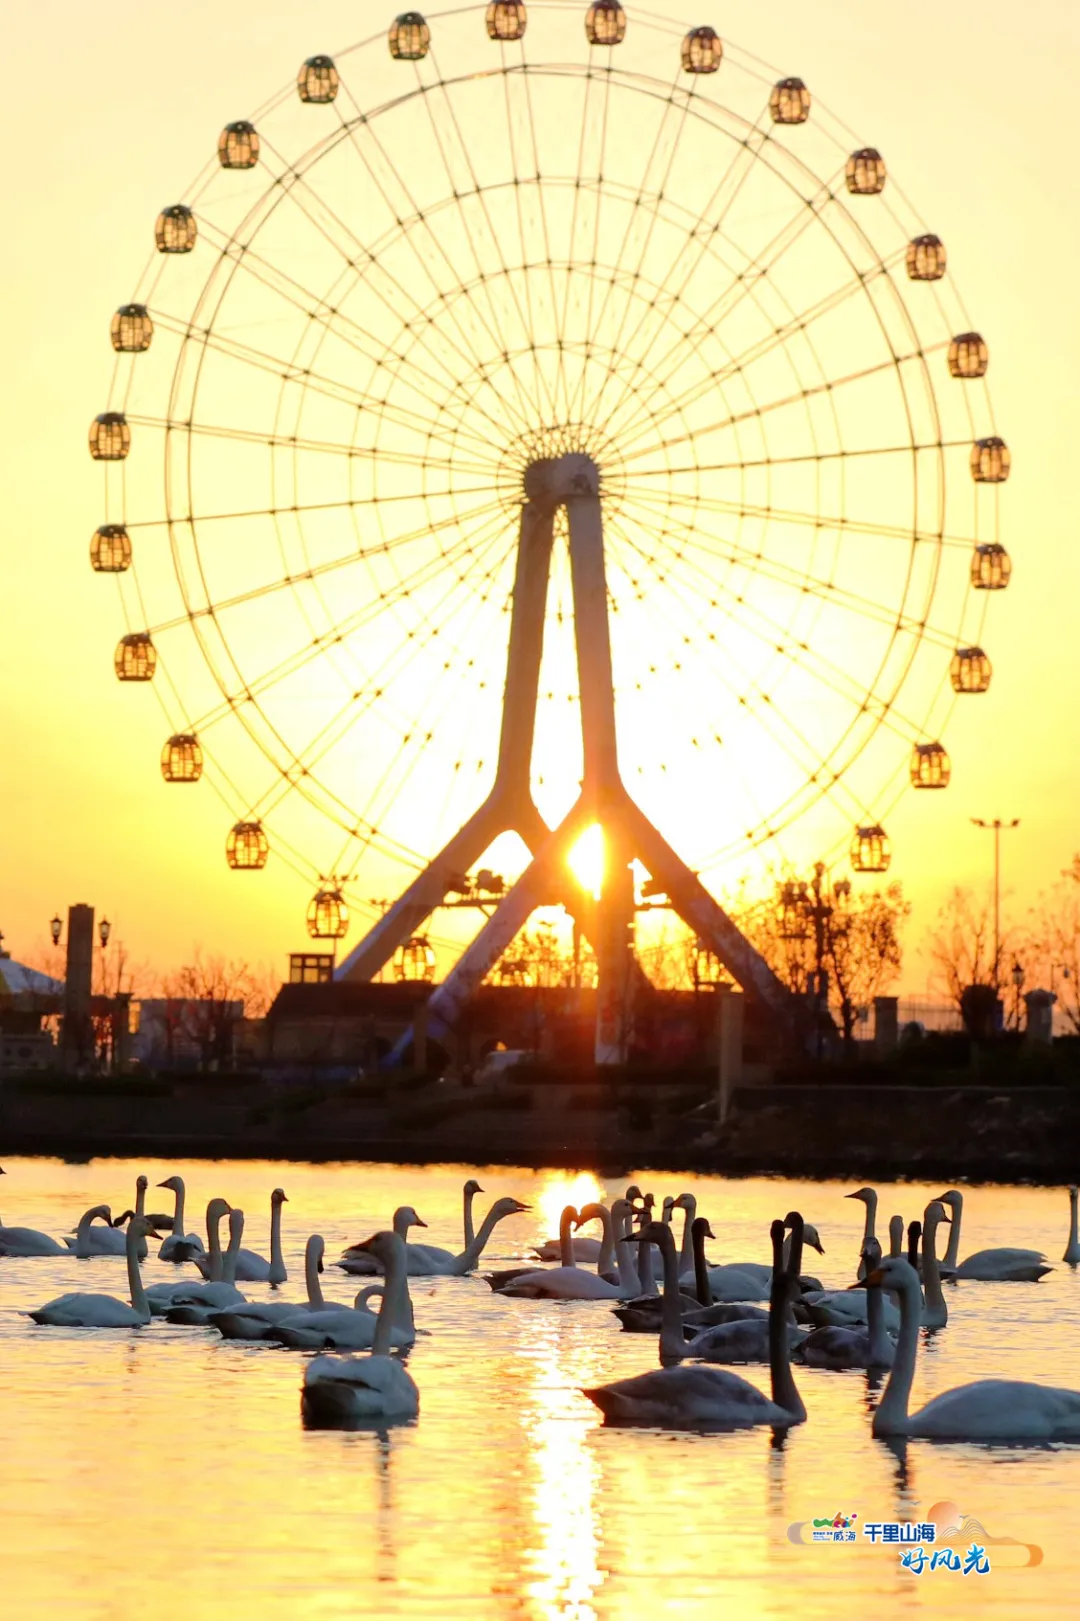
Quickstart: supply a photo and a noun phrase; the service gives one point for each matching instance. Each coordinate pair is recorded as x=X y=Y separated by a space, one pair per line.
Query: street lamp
x=56 y=928
x=1018 y=980
x=996 y=825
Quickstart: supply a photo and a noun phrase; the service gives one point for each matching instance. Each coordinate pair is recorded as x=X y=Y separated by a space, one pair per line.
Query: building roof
x=26 y=987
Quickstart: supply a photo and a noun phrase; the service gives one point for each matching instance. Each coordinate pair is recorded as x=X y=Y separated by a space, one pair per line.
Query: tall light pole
x=996 y=825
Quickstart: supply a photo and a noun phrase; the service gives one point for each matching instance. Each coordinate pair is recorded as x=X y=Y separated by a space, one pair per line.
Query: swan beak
x=320 y=1266
x=708 y=1232
x=852 y=1195
x=419 y=1223
x=816 y=1244
x=521 y=1207
x=877 y=1277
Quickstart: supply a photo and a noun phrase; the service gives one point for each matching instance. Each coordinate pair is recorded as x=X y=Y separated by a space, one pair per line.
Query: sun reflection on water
x=559 y=1190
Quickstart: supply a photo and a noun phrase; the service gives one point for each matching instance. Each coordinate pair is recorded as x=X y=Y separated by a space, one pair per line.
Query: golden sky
x=109 y=118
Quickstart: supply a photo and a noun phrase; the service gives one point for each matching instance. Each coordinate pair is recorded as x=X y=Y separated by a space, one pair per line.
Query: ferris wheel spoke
x=638 y=235
x=742 y=285
x=787 y=736
x=801 y=584
x=843 y=454
x=316 y=308
x=737 y=365
x=697 y=244
x=777 y=637
x=334 y=635
x=837 y=521
x=293 y=371
x=436 y=243
x=592 y=146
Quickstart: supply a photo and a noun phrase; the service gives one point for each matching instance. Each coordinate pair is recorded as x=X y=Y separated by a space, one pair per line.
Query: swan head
x=954 y=1199
x=142 y=1183
x=508 y=1207
x=279 y=1196
x=102 y=1212
x=472 y=1187
x=871 y=1254
x=667 y=1207
x=658 y=1233
x=701 y=1228
x=118 y=1221
x=687 y=1202
x=314 y=1249
x=217 y=1210
x=809 y=1231
x=173 y=1183
x=934 y=1214
x=632 y=1194
x=865 y=1194
x=404 y=1218
x=896 y=1274
x=387 y=1248
x=141 y=1227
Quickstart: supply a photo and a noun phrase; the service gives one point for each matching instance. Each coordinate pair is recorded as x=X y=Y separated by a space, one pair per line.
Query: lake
x=166 y=1472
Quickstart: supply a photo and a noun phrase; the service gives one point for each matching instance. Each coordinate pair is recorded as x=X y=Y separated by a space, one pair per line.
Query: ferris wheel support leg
x=704 y=915
x=509 y=804
x=534 y=888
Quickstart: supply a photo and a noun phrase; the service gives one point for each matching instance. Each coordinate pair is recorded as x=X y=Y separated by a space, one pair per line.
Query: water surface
x=165 y=1472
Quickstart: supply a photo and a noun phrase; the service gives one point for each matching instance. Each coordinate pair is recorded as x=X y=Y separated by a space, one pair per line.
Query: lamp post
x=996 y=825
x=1018 y=981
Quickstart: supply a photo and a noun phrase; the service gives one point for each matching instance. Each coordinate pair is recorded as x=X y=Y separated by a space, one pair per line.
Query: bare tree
x=1051 y=948
x=204 y=1000
x=961 y=948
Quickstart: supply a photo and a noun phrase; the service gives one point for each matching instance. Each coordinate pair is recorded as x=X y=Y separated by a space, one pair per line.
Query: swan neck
x=139 y=1302
x=178 y=1213
x=784 y=1391
x=672 y=1342
x=892 y=1414
x=931 y=1270
x=646 y=1280
x=875 y=1326
x=395 y=1304
x=702 y=1287
x=213 y=1244
x=277 y=1263
x=608 y=1260
x=312 y=1281
x=953 y=1251
x=566 y=1236
x=625 y=1268
x=1074 y=1236
x=228 y=1261
x=686 y=1253
x=467 y=1217
x=140 y=1199
x=472 y=1252
x=82 y=1236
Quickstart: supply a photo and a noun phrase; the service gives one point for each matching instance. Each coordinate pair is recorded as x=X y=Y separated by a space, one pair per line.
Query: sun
x=586 y=860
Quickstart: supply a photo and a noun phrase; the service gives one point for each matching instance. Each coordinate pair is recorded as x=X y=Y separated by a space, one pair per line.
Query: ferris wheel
x=531 y=397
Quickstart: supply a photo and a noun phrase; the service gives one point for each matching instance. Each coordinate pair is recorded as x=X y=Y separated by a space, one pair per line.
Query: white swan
x=180 y=1245
x=111 y=1239
x=993 y=1265
x=348 y=1389
x=84 y=1245
x=192 y=1303
x=868 y=1197
x=572 y=1282
x=161 y=1295
x=254 y=1319
x=1072 y=1249
x=455 y=1266
x=689 y=1394
x=253 y=1268
x=846 y=1308
x=354 y=1328
x=987 y=1410
x=104 y=1311
x=358 y=1261
x=868 y=1347
x=26 y=1242
x=424 y=1256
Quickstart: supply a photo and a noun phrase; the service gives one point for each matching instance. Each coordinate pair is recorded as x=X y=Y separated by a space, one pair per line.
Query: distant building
x=27 y=1000
x=178 y=1032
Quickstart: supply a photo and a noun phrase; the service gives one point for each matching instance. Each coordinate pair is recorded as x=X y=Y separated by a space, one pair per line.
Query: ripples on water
x=166 y=1472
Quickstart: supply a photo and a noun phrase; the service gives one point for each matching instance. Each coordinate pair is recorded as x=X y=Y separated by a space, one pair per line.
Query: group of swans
x=1001 y=1265
x=428 y=1260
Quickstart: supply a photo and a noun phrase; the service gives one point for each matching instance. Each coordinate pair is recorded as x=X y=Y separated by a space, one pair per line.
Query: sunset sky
x=109 y=115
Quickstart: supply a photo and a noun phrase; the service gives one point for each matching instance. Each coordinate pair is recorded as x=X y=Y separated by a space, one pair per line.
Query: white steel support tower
x=571 y=481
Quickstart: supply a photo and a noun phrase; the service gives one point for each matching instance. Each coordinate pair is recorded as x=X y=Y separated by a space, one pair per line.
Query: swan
x=455 y=1266
x=570 y=1282
x=986 y=1410
x=993 y=1265
x=359 y=1262
x=845 y=1308
x=738 y=1280
x=25 y=1242
x=354 y=1328
x=161 y=1295
x=104 y=1311
x=342 y=1389
x=690 y=1395
x=853 y=1347
x=642 y=1316
x=253 y=1268
x=896 y=1235
x=109 y=1239
x=179 y=1246
x=501 y=1280
x=430 y=1255
x=749 y=1339
x=868 y=1197
x=190 y=1302
x=254 y=1319
x=584 y=1249
x=1072 y=1249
